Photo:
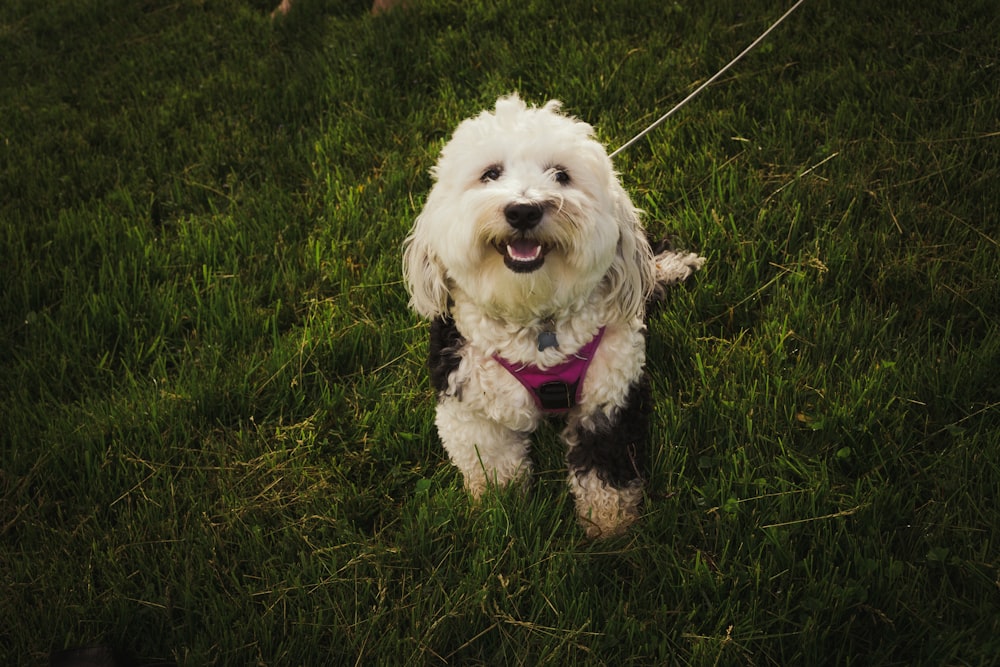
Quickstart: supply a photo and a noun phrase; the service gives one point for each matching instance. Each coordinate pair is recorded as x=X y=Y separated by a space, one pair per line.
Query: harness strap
x=555 y=389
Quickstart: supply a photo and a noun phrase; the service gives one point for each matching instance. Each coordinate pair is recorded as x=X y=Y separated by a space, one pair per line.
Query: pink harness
x=556 y=389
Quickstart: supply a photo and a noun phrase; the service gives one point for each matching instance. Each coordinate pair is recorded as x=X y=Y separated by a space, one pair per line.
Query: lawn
x=216 y=426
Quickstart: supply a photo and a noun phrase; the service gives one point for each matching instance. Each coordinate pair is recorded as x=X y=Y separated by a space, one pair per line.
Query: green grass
x=216 y=427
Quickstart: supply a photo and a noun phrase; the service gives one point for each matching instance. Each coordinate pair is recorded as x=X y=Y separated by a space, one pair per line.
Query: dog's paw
x=479 y=482
x=604 y=510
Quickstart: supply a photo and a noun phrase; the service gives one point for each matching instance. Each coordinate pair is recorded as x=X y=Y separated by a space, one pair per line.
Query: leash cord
x=705 y=85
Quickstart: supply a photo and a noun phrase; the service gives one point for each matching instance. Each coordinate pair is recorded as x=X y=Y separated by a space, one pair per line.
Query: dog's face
x=526 y=218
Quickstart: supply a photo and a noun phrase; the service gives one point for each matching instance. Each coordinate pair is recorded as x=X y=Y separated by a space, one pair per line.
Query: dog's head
x=526 y=219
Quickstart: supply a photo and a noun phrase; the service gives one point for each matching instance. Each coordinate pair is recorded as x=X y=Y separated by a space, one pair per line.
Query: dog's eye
x=561 y=176
x=491 y=174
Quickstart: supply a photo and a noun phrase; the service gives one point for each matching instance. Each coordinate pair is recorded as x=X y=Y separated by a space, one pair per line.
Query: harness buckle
x=556 y=395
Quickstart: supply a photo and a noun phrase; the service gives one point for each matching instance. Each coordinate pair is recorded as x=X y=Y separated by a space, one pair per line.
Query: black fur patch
x=443 y=358
x=618 y=449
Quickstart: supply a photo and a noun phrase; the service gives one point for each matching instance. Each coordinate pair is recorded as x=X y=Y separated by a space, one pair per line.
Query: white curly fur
x=597 y=270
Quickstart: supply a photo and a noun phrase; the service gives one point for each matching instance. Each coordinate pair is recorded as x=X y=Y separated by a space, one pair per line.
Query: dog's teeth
x=524 y=251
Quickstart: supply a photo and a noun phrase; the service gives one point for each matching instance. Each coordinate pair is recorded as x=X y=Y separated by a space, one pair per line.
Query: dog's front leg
x=486 y=448
x=485 y=451
x=607 y=460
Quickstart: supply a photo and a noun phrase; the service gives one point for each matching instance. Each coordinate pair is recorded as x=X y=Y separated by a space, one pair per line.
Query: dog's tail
x=671 y=267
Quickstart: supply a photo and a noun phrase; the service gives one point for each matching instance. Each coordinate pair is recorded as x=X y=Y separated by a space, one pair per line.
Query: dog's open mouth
x=522 y=255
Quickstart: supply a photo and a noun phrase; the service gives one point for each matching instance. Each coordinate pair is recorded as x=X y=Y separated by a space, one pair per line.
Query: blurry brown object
x=282 y=8
x=378 y=6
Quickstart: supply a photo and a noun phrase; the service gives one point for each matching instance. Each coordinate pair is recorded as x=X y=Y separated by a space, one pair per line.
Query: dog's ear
x=631 y=278
x=424 y=275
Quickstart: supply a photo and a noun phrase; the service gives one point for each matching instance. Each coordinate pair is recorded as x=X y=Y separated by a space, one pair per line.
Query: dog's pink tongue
x=523 y=249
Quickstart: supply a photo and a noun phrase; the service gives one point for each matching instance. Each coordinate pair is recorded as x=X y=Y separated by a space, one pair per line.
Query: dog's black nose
x=523 y=216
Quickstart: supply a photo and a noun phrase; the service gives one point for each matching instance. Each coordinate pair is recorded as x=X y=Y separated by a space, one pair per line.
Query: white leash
x=705 y=85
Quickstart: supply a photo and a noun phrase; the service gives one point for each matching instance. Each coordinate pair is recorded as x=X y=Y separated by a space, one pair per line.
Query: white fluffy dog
x=534 y=269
